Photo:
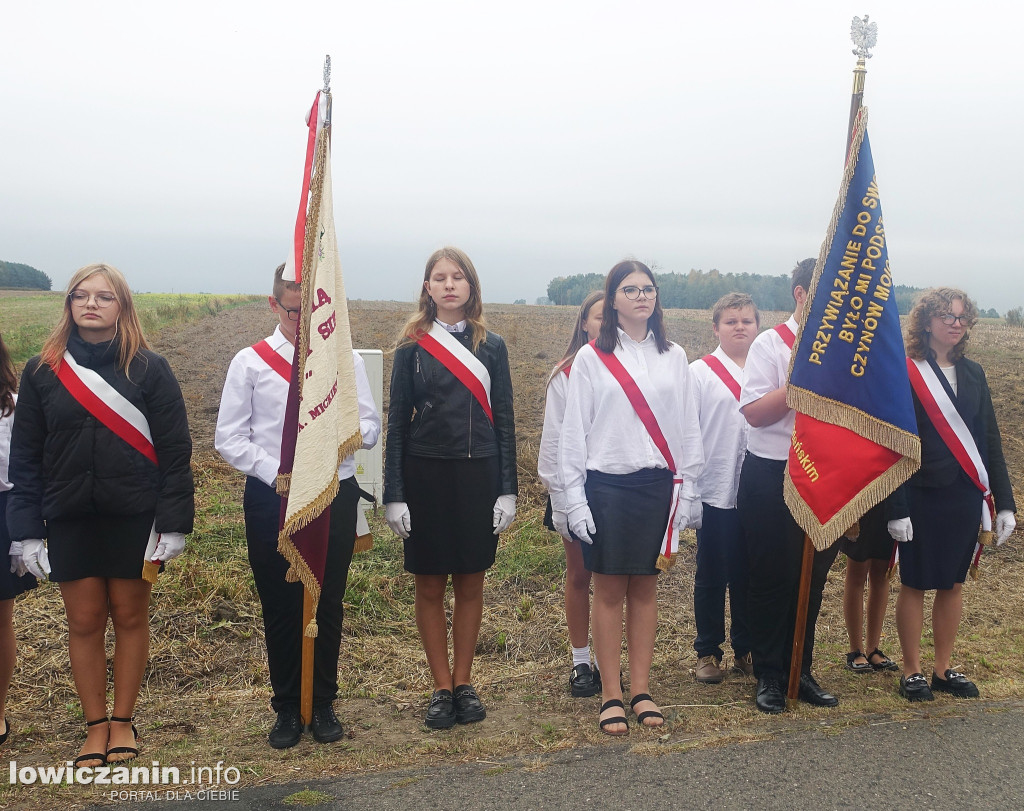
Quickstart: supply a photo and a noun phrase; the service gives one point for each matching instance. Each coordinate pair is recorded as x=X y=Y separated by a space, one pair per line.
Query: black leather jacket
x=432 y=414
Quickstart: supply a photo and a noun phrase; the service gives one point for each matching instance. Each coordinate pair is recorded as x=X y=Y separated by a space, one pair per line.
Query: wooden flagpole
x=864 y=35
x=308 y=642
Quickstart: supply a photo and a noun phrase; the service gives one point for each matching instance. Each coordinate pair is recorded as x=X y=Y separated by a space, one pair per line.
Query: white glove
x=901 y=529
x=504 y=512
x=168 y=546
x=34 y=557
x=581 y=522
x=1005 y=524
x=561 y=521
x=396 y=513
x=17 y=558
x=689 y=513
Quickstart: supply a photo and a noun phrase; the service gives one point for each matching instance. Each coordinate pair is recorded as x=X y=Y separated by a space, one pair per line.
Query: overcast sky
x=544 y=138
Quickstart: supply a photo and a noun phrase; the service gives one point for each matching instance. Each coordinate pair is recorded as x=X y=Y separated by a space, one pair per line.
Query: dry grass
x=206 y=697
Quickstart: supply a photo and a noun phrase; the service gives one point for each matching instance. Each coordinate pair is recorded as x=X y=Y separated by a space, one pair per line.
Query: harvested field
x=206 y=698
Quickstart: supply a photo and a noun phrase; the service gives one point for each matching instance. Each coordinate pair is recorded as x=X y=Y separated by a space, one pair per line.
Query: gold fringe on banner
x=364 y=543
x=665 y=563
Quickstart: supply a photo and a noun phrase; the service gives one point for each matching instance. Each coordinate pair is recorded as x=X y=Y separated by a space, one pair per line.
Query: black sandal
x=856 y=668
x=124 y=750
x=646 y=713
x=615 y=719
x=885 y=664
x=100 y=756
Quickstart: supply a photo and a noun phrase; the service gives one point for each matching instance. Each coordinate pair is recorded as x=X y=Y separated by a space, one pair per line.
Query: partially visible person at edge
x=15 y=580
x=584 y=679
x=95 y=496
x=867 y=562
x=941 y=505
x=450 y=480
x=721 y=562
x=249 y=429
x=621 y=475
x=773 y=540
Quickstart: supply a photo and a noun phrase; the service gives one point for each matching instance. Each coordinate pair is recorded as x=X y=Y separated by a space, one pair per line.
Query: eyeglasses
x=632 y=292
x=949 y=319
x=80 y=298
x=293 y=315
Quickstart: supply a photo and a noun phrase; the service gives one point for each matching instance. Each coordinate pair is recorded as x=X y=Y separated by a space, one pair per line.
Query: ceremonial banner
x=855 y=438
x=322 y=415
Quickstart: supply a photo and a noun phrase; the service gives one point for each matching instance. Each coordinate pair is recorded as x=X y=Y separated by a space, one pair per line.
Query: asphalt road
x=971 y=760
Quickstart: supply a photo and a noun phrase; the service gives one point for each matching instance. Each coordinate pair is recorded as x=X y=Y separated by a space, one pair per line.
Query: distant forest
x=13 y=274
x=698 y=290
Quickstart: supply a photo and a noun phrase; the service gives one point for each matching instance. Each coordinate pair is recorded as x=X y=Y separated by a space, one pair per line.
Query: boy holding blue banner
x=774 y=541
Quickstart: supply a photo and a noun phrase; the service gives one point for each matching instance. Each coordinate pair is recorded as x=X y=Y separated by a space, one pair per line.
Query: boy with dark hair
x=774 y=541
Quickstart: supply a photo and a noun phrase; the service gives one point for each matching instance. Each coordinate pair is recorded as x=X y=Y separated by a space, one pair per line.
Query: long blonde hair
x=579 y=336
x=128 y=328
x=937 y=301
x=419 y=324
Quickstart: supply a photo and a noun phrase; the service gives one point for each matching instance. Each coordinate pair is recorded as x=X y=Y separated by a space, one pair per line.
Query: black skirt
x=630 y=513
x=451 y=508
x=874 y=541
x=946 y=521
x=98 y=546
x=10 y=584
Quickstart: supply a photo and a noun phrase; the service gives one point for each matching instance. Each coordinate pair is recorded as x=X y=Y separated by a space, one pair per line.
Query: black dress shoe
x=811 y=693
x=325 y=726
x=956 y=684
x=287 y=729
x=468 y=707
x=582 y=682
x=915 y=688
x=441 y=712
x=770 y=698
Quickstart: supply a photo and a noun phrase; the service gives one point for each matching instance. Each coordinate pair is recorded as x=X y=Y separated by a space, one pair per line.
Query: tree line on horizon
x=14 y=274
x=699 y=290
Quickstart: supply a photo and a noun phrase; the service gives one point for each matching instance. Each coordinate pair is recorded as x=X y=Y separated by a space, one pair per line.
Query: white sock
x=581 y=656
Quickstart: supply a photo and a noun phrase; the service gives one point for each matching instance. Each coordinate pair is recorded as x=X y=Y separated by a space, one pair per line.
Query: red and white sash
x=787 y=334
x=106 y=404
x=450 y=353
x=953 y=430
x=273 y=360
x=670 y=540
x=716 y=366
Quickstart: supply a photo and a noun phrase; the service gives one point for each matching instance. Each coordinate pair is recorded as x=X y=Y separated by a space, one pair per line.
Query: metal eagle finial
x=864 y=35
x=327 y=72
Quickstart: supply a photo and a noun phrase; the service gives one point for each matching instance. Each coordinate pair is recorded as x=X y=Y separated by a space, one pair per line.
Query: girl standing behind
x=583 y=680
x=630 y=454
x=450 y=469
x=17 y=580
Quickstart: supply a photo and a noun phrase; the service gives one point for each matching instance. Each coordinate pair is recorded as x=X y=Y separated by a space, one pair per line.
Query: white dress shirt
x=547 y=456
x=601 y=431
x=252 y=405
x=723 y=429
x=6 y=424
x=767 y=369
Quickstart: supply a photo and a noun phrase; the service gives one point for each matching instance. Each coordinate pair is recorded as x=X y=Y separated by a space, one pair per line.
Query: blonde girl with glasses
x=100 y=462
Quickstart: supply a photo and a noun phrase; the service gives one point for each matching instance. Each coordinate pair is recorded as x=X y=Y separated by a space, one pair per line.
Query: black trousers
x=282 y=601
x=774 y=545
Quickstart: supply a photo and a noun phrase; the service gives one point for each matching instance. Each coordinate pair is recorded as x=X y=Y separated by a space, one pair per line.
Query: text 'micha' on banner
x=855 y=437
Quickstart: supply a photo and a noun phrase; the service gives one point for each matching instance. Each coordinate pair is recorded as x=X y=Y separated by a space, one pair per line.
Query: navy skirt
x=946 y=521
x=630 y=512
x=98 y=546
x=10 y=584
x=451 y=507
x=874 y=542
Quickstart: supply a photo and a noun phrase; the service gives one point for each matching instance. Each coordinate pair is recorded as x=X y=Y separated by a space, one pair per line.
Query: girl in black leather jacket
x=450 y=469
